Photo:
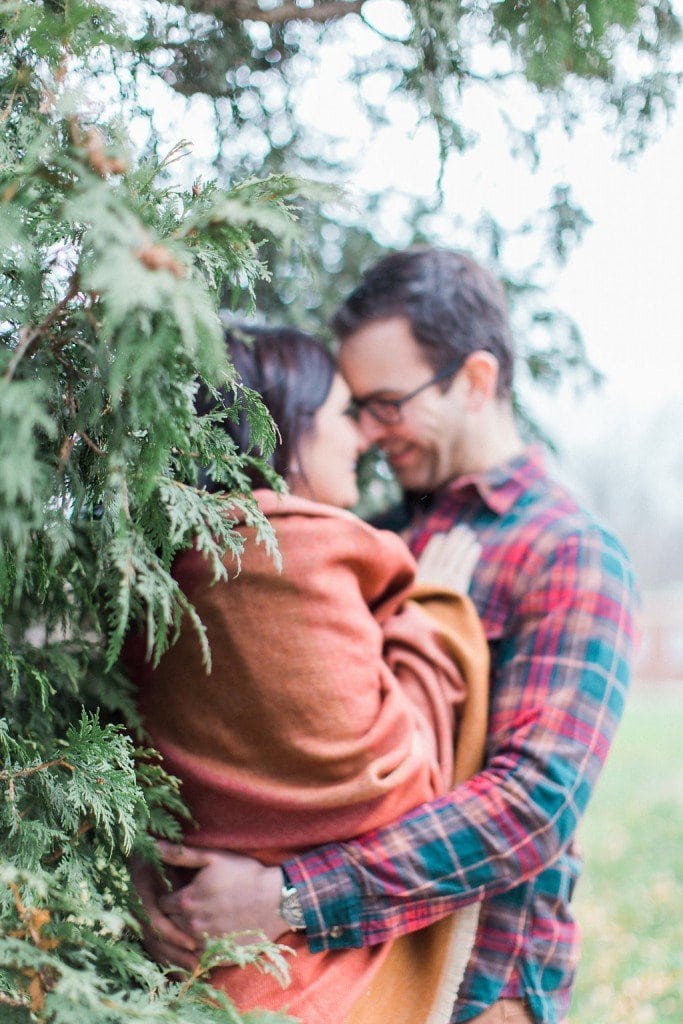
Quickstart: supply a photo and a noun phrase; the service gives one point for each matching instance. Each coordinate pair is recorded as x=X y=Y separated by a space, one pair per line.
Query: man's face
x=383 y=360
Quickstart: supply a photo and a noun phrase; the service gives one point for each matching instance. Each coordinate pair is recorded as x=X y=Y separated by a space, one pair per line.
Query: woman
x=333 y=698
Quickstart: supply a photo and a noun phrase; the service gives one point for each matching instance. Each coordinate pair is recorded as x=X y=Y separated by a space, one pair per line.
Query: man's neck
x=492 y=440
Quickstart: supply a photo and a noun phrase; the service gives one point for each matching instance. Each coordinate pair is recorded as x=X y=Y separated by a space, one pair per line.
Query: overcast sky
x=624 y=283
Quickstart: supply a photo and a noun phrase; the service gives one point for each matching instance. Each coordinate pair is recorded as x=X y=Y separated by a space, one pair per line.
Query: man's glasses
x=387 y=411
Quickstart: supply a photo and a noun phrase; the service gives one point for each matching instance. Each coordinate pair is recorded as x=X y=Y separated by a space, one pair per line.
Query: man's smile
x=399 y=453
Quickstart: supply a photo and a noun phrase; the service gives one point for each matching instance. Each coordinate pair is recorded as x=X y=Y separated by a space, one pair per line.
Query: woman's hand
x=448 y=559
x=162 y=937
x=229 y=893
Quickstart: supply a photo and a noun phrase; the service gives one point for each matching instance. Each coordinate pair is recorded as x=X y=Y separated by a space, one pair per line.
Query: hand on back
x=229 y=893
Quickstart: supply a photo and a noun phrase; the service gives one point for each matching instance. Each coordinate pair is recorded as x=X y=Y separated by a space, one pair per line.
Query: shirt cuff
x=329 y=897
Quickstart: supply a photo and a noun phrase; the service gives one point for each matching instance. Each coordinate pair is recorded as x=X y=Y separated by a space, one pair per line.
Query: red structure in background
x=661 y=650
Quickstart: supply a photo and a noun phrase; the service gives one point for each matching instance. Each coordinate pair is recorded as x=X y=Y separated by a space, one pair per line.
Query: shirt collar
x=500 y=488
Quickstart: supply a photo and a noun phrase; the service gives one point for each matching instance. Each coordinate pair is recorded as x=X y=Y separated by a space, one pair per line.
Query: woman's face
x=328 y=453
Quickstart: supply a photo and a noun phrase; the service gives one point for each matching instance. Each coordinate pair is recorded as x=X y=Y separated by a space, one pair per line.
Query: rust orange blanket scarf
x=330 y=709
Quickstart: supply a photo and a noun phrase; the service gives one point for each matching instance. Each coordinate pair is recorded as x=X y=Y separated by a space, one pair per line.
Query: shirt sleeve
x=560 y=676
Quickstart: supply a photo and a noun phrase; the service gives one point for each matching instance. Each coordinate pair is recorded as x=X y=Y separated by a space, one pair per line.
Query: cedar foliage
x=109 y=281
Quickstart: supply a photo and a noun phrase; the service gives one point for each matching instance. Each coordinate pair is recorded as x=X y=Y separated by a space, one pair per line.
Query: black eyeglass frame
x=391 y=418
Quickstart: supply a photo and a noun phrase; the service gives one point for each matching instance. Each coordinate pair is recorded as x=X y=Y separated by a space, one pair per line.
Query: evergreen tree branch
x=23 y=773
x=19 y=1004
x=34 y=919
x=10 y=104
x=90 y=443
x=29 y=337
x=11 y=777
x=244 y=10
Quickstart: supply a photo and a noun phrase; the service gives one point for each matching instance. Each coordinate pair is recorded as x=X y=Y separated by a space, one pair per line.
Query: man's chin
x=420 y=477
x=411 y=478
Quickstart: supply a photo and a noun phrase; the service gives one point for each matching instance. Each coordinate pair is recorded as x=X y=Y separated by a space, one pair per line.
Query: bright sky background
x=624 y=282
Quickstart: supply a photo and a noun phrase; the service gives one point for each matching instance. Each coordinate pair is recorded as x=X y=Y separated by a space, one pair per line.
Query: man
x=426 y=350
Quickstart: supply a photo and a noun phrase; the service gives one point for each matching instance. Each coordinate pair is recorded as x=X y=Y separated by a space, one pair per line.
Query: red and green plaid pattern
x=556 y=595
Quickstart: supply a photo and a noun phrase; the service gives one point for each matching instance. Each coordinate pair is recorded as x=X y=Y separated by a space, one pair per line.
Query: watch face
x=290 y=908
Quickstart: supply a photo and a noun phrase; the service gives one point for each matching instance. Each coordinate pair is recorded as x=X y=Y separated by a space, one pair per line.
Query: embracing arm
x=383 y=708
x=558 y=694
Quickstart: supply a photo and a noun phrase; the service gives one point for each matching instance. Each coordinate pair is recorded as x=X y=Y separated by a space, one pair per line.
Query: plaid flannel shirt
x=556 y=594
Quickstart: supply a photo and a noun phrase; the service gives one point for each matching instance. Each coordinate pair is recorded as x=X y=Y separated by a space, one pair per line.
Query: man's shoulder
x=556 y=541
x=550 y=556
x=553 y=514
x=546 y=533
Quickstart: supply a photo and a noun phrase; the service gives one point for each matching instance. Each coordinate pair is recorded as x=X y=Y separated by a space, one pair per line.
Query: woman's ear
x=480 y=376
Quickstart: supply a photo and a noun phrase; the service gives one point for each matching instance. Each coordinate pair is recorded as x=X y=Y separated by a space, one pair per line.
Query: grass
x=630 y=900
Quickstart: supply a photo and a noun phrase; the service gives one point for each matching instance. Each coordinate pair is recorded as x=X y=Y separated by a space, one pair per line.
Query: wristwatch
x=291 y=910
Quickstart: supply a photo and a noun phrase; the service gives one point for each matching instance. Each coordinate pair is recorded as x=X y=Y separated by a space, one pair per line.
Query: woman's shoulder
x=274 y=504
x=346 y=536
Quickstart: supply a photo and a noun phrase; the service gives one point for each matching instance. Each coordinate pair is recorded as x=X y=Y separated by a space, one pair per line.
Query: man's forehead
x=367 y=380
x=382 y=356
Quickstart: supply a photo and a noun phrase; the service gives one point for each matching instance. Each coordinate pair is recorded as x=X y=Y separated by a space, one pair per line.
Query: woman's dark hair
x=453 y=305
x=293 y=374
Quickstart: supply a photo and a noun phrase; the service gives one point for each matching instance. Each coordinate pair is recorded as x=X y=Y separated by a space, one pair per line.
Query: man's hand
x=162 y=938
x=229 y=893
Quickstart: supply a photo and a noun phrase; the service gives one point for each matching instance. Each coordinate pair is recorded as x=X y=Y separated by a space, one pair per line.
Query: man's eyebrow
x=379 y=394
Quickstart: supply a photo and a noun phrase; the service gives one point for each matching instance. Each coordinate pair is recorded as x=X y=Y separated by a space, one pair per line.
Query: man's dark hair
x=453 y=305
x=293 y=374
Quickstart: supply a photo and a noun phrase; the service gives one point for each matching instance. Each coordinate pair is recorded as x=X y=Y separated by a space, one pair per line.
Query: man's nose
x=372 y=430
x=363 y=442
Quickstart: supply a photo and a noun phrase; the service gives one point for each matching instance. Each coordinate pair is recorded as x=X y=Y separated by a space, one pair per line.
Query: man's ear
x=479 y=374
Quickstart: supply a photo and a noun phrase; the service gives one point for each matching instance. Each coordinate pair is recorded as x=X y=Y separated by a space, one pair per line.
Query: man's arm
x=558 y=696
